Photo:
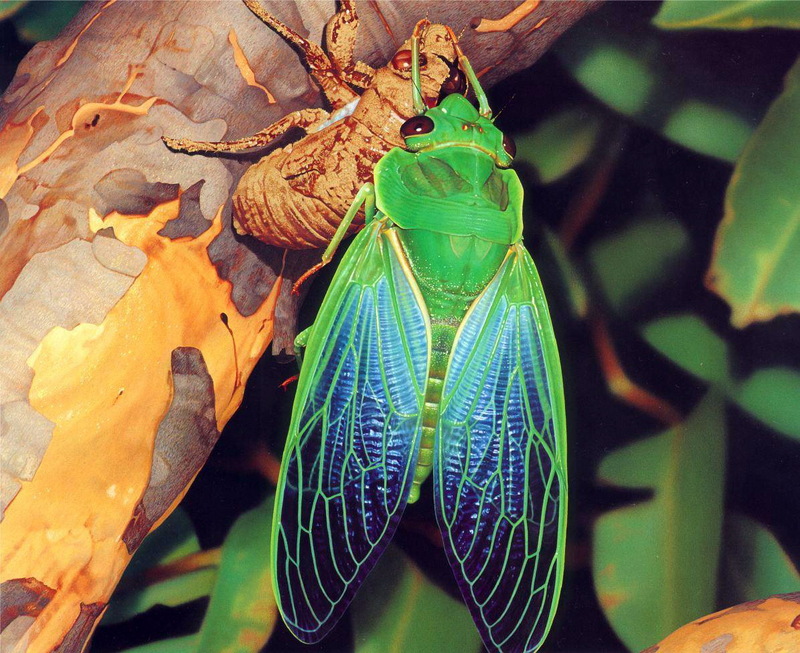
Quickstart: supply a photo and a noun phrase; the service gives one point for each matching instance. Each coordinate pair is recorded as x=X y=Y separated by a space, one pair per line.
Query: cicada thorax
x=457 y=215
x=296 y=197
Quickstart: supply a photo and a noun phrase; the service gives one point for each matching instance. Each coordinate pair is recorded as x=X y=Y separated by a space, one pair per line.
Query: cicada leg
x=366 y=198
x=305 y=119
x=416 y=84
x=340 y=35
x=333 y=83
x=300 y=342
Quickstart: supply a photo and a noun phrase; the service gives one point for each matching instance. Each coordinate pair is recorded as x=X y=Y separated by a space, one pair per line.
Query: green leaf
x=174 y=539
x=702 y=126
x=398 y=609
x=691 y=344
x=173 y=645
x=611 y=68
x=637 y=260
x=169 y=592
x=242 y=613
x=569 y=282
x=624 y=67
x=727 y=14
x=756 y=260
x=9 y=7
x=772 y=395
x=655 y=562
x=754 y=565
x=560 y=143
x=42 y=21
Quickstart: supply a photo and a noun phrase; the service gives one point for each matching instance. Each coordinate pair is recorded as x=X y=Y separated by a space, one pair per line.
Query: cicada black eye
x=509 y=146
x=455 y=83
x=402 y=60
x=417 y=126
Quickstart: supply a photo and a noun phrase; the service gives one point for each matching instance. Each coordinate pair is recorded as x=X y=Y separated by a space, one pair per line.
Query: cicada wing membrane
x=354 y=437
x=499 y=461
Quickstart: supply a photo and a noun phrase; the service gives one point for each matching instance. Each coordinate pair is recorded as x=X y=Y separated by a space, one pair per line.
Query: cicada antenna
x=483 y=102
x=416 y=84
x=505 y=106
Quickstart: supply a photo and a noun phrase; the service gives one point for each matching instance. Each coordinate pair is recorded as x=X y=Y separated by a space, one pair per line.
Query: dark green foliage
x=655 y=562
x=654 y=249
x=41 y=20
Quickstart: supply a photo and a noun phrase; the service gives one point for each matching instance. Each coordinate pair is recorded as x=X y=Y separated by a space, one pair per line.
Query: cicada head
x=455 y=122
x=439 y=72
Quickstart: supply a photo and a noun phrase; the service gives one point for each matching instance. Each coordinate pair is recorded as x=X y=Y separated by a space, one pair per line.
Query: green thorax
x=453 y=191
x=455 y=202
x=451 y=271
x=454 y=179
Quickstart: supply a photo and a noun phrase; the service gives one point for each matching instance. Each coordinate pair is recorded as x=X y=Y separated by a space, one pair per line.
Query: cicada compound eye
x=402 y=60
x=417 y=126
x=509 y=146
x=455 y=83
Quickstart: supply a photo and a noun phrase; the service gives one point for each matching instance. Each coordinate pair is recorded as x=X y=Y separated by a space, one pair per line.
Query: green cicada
x=433 y=352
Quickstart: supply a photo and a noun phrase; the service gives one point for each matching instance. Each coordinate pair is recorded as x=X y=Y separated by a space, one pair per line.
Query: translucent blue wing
x=354 y=437
x=499 y=460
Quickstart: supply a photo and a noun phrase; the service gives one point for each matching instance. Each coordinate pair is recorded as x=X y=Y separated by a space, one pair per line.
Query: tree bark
x=771 y=625
x=130 y=313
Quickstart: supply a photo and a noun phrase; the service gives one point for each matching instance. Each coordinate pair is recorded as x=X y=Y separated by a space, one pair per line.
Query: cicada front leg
x=366 y=198
x=305 y=119
x=340 y=35
x=300 y=343
x=331 y=77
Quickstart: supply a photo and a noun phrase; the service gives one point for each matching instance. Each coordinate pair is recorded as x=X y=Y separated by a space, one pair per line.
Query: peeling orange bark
x=771 y=625
x=49 y=228
x=71 y=48
x=85 y=118
x=83 y=384
x=508 y=21
x=15 y=138
x=244 y=66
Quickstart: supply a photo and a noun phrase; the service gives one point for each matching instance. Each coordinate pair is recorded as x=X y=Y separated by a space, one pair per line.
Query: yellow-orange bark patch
x=757 y=626
x=509 y=20
x=106 y=388
x=244 y=66
x=15 y=137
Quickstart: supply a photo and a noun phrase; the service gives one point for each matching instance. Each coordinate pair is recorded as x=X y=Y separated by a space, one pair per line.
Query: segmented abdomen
x=296 y=197
x=266 y=205
x=442 y=338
